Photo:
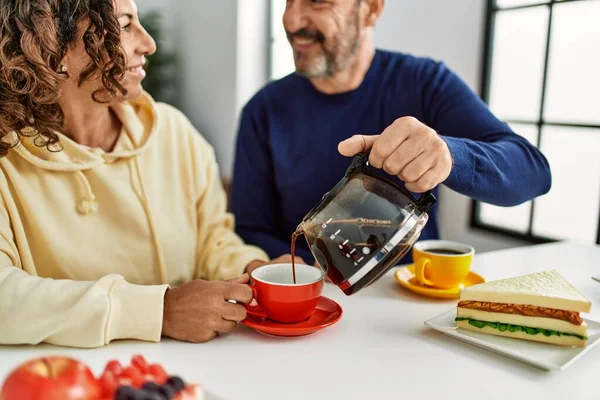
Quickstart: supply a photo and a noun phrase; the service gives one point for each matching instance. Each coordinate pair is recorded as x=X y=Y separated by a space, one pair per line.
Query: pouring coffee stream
x=362 y=227
x=293 y=253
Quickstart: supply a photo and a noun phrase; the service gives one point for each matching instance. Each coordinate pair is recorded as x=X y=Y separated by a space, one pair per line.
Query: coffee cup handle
x=420 y=267
x=253 y=308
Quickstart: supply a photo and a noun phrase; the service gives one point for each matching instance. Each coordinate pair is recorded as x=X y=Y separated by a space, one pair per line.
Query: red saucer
x=327 y=313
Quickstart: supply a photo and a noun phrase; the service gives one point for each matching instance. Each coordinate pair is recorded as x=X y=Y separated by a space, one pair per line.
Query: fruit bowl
x=65 y=378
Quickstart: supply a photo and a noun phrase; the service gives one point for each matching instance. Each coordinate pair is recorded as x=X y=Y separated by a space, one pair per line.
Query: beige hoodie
x=90 y=241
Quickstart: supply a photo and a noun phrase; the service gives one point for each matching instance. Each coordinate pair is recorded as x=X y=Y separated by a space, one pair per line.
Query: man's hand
x=284 y=259
x=200 y=310
x=408 y=149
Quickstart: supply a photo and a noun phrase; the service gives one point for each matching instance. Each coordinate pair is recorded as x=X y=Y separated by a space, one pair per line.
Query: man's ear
x=374 y=11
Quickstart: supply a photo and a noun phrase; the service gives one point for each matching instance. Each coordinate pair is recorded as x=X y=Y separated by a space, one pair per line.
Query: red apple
x=51 y=378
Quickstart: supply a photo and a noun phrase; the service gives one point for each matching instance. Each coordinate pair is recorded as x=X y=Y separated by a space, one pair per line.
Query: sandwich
x=541 y=307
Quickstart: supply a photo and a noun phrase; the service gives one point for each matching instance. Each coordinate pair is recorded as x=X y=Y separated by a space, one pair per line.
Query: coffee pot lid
x=360 y=164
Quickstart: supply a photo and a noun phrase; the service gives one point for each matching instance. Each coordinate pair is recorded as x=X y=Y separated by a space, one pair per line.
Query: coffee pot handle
x=360 y=163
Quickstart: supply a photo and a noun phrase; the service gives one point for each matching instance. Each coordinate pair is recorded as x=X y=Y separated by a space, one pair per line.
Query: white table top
x=380 y=349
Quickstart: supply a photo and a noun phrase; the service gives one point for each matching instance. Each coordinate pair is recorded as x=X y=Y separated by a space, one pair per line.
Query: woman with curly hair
x=113 y=221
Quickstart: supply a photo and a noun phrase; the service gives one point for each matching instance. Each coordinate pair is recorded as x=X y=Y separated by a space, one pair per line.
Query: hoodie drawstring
x=159 y=253
x=88 y=203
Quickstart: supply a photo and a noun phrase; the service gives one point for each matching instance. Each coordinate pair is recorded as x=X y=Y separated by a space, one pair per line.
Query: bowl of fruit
x=65 y=378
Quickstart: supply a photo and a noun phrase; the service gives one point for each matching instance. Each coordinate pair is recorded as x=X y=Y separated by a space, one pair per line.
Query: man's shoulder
x=407 y=62
x=276 y=91
x=282 y=85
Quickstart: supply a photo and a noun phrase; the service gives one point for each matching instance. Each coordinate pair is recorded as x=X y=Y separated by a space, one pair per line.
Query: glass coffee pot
x=363 y=226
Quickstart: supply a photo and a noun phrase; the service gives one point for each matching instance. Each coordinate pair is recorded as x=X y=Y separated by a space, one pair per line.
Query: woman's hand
x=199 y=310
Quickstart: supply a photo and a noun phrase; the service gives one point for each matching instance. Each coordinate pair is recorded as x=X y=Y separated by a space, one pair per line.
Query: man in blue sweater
x=424 y=126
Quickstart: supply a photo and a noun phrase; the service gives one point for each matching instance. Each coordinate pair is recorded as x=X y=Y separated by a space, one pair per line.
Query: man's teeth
x=304 y=42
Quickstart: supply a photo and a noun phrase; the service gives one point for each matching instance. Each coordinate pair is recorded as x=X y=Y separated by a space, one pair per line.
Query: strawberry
x=159 y=373
x=132 y=373
x=139 y=362
x=114 y=366
x=108 y=384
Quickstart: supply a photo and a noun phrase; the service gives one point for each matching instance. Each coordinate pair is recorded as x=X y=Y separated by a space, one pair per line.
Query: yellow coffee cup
x=442 y=263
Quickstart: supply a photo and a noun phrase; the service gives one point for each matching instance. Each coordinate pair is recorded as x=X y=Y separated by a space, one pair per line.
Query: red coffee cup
x=279 y=299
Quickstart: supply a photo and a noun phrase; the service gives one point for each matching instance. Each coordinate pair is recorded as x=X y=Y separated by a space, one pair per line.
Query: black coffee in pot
x=342 y=246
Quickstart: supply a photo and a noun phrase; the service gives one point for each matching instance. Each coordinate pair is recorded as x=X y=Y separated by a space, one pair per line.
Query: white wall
x=253 y=49
x=204 y=35
x=453 y=32
x=167 y=9
x=206 y=40
x=223 y=49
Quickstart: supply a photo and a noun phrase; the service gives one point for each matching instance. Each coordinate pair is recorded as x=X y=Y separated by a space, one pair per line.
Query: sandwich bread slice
x=541 y=307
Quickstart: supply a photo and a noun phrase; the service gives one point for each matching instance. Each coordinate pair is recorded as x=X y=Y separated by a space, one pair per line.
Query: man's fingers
x=233 y=312
x=283 y=259
x=402 y=156
x=356 y=144
x=299 y=260
x=414 y=170
x=287 y=258
x=237 y=292
x=391 y=139
x=426 y=182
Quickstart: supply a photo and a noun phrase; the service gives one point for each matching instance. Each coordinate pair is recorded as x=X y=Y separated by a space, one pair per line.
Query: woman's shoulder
x=174 y=125
x=169 y=115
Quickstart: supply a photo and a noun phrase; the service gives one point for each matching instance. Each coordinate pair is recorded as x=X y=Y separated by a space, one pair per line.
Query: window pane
x=517 y=3
x=519 y=50
x=573 y=78
x=513 y=218
x=282 y=59
x=277 y=9
x=528 y=131
x=570 y=210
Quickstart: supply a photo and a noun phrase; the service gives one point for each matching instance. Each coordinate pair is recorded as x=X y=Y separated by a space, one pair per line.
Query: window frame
x=491 y=12
x=272 y=41
x=271 y=32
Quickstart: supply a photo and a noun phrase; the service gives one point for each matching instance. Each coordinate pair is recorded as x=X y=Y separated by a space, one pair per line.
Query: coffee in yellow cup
x=442 y=263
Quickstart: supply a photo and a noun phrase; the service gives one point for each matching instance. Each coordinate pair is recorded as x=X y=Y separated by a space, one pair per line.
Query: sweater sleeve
x=254 y=198
x=220 y=252
x=491 y=163
x=71 y=313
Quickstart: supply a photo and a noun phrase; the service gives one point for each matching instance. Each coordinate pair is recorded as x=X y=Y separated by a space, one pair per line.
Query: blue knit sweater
x=286 y=154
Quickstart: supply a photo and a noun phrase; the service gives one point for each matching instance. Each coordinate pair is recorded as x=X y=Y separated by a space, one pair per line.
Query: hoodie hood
x=140 y=124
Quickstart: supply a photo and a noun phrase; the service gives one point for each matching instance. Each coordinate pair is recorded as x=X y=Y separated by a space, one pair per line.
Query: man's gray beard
x=326 y=65
x=322 y=68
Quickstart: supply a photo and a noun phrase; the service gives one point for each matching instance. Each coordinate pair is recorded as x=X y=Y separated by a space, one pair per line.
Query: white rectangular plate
x=542 y=355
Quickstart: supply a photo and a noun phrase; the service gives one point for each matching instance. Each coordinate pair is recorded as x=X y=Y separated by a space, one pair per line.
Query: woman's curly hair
x=34 y=37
